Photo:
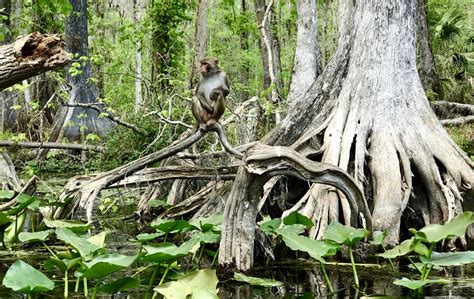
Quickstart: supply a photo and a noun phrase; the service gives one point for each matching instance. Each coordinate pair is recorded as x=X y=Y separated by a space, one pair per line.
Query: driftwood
x=86 y=195
x=56 y=145
x=445 y=109
x=30 y=55
x=29 y=188
x=458 y=121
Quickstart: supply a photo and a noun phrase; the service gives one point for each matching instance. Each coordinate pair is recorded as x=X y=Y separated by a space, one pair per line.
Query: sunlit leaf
x=82 y=245
x=400 y=250
x=35 y=237
x=445 y=259
x=75 y=226
x=171 y=225
x=167 y=252
x=199 y=284
x=99 y=239
x=269 y=226
x=207 y=223
x=262 y=282
x=26 y=279
x=145 y=237
x=62 y=265
x=456 y=227
x=342 y=234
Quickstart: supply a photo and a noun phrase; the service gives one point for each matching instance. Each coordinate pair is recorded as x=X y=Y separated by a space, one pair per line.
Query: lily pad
x=456 y=227
x=205 y=224
x=63 y=265
x=167 y=252
x=145 y=237
x=256 y=281
x=316 y=249
x=446 y=259
x=75 y=226
x=199 y=284
x=82 y=245
x=416 y=284
x=171 y=225
x=342 y=234
x=400 y=250
x=269 y=226
x=297 y=218
x=35 y=237
x=22 y=277
x=106 y=264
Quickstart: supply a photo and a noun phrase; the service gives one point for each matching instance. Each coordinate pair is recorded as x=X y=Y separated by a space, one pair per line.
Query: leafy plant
x=24 y=278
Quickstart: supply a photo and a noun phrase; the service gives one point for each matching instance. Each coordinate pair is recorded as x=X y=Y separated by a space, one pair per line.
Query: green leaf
x=82 y=245
x=145 y=237
x=200 y=284
x=205 y=224
x=316 y=249
x=171 y=225
x=208 y=237
x=106 y=264
x=342 y=234
x=5 y=218
x=416 y=284
x=378 y=237
x=255 y=281
x=167 y=252
x=297 y=218
x=120 y=285
x=295 y=229
x=6 y=194
x=99 y=239
x=269 y=226
x=26 y=279
x=445 y=259
x=35 y=237
x=400 y=250
x=62 y=265
x=421 y=249
x=75 y=226
x=456 y=227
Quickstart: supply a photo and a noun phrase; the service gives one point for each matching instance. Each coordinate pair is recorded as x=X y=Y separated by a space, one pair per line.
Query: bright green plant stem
x=86 y=291
x=354 y=271
x=76 y=288
x=164 y=274
x=215 y=258
x=326 y=277
x=66 y=285
x=94 y=293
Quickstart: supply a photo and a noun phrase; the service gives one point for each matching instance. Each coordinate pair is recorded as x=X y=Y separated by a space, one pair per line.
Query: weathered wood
x=56 y=145
x=30 y=55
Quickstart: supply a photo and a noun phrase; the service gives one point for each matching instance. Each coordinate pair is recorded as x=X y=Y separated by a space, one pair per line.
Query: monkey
x=208 y=104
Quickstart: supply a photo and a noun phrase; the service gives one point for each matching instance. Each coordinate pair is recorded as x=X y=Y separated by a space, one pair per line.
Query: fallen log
x=30 y=55
x=55 y=145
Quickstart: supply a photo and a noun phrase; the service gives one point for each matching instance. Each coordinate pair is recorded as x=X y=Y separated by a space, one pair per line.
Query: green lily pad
x=106 y=264
x=297 y=218
x=378 y=237
x=316 y=249
x=171 y=225
x=82 y=245
x=22 y=277
x=416 y=284
x=63 y=265
x=456 y=227
x=256 y=281
x=35 y=237
x=75 y=226
x=199 y=284
x=400 y=250
x=342 y=234
x=99 y=239
x=120 y=285
x=5 y=218
x=269 y=226
x=205 y=224
x=167 y=252
x=145 y=237
x=208 y=237
x=445 y=259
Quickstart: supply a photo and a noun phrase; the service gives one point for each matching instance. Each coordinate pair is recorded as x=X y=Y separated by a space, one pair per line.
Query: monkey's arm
x=226 y=87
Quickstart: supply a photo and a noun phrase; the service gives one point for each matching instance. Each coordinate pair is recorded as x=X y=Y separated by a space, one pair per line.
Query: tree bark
x=200 y=38
x=426 y=64
x=138 y=8
x=78 y=121
x=30 y=55
x=307 y=62
x=369 y=111
x=260 y=13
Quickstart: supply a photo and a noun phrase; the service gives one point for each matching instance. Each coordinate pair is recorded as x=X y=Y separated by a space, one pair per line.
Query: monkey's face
x=209 y=65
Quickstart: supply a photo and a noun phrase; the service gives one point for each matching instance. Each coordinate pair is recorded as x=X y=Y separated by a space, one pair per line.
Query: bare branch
x=57 y=145
x=458 y=121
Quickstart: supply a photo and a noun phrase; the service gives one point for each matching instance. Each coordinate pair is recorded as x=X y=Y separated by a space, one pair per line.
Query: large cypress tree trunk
x=83 y=120
x=369 y=111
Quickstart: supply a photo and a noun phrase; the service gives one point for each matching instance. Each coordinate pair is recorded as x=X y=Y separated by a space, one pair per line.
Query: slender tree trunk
x=138 y=8
x=426 y=64
x=244 y=46
x=200 y=38
x=307 y=62
x=260 y=12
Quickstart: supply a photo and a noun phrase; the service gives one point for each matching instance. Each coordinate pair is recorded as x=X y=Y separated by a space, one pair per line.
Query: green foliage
x=198 y=284
x=26 y=279
x=261 y=282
